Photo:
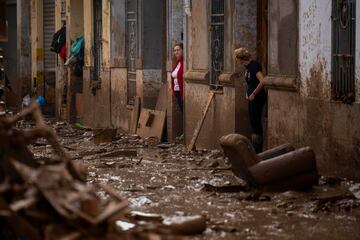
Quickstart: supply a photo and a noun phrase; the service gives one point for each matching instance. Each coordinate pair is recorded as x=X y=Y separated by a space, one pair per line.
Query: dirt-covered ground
x=165 y=179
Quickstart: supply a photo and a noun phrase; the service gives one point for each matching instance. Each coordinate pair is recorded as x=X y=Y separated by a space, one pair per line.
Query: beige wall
x=37 y=50
x=308 y=116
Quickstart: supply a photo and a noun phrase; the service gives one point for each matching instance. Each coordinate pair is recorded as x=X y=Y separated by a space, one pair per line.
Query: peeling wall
x=309 y=117
x=315 y=48
x=331 y=129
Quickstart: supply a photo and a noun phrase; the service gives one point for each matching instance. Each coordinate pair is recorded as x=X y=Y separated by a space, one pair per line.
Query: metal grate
x=343 y=51
x=97 y=48
x=49 y=29
x=132 y=48
x=217 y=40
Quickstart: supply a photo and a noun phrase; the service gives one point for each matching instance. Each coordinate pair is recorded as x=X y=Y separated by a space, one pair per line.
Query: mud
x=165 y=179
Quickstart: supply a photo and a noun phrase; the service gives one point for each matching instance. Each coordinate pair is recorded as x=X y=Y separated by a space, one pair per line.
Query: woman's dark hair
x=181 y=45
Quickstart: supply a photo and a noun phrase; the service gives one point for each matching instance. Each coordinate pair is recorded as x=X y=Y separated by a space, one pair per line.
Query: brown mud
x=165 y=179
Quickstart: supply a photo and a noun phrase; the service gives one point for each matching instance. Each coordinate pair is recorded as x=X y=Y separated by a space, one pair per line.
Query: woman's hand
x=247 y=97
x=251 y=97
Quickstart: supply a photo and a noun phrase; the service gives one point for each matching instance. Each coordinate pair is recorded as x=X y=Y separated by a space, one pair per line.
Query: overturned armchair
x=279 y=169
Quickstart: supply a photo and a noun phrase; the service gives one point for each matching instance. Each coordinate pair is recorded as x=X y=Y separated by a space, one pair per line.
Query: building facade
x=308 y=50
x=314 y=80
x=214 y=29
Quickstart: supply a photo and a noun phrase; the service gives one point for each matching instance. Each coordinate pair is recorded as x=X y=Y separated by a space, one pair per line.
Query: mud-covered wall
x=96 y=99
x=228 y=111
x=309 y=117
x=315 y=48
x=120 y=114
x=220 y=119
x=96 y=107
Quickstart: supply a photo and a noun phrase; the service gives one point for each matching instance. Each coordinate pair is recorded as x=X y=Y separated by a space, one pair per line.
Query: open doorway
x=262 y=34
x=262 y=51
x=75 y=31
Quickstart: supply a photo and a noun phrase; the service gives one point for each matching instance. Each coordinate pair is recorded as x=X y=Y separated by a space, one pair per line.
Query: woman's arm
x=260 y=86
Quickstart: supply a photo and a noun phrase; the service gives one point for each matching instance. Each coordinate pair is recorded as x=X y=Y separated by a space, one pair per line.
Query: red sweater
x=179 y=76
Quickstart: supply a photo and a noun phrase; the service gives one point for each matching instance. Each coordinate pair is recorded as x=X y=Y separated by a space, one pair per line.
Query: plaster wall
x=220 y=119
x=309 y=117
x=97 y=107
x=315 y=48
x=120 y=113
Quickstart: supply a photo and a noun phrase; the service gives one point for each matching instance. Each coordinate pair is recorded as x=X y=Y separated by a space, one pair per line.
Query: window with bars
x=97 y=47
x=131 y=48
x=217 y=39
x=343 y=50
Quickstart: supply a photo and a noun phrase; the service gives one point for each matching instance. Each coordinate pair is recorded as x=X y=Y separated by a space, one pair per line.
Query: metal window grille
x=343 y=50
x=132 y=48
x=217 y=39
x=97 y=48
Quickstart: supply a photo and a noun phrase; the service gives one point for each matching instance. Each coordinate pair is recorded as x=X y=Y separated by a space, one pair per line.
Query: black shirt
x=250 y=76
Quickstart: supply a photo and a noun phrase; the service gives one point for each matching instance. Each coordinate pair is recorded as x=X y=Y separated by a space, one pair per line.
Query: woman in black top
x=255 y=94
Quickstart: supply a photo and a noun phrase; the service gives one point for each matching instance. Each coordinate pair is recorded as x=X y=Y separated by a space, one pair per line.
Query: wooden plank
x=201 y=122
x=135 y=115
x=161 y=103
x=153 y=128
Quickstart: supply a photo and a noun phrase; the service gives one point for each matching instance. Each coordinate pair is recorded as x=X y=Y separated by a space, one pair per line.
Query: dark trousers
x=255 y=113
x=179 y=100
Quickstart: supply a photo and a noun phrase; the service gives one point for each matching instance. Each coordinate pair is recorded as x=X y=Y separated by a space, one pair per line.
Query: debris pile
x=49 y=199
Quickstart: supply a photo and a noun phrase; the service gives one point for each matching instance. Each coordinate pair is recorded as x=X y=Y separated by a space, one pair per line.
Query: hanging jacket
x=179 y=76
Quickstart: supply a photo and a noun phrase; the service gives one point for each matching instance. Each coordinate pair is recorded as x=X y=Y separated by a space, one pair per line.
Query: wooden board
x=161 y=103
x=151 y=124
x=200 y=123
x=135 y=115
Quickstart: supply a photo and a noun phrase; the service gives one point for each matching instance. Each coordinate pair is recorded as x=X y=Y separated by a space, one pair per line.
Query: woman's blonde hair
x=242 y=53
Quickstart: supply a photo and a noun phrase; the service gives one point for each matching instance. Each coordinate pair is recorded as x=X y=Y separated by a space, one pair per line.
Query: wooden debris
x=151 y=124
x=119 y=153
x=104 y=135
x=135 y=115
x=201 y=121
x=52 y=200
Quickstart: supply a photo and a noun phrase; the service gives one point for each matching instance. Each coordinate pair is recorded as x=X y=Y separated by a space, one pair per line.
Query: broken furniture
x=49 y=198
x=151 y=124
x=278 y=169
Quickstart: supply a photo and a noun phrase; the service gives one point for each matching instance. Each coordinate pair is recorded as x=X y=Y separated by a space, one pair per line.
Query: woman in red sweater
x=177 y=75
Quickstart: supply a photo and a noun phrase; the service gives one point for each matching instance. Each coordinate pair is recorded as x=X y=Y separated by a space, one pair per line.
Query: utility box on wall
x=3 y=23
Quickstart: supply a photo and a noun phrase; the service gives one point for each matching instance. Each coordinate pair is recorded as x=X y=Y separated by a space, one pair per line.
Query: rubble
x=166 y=182
x=51 y=200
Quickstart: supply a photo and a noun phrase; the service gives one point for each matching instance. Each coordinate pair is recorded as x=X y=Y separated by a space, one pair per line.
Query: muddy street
x=165 y=179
